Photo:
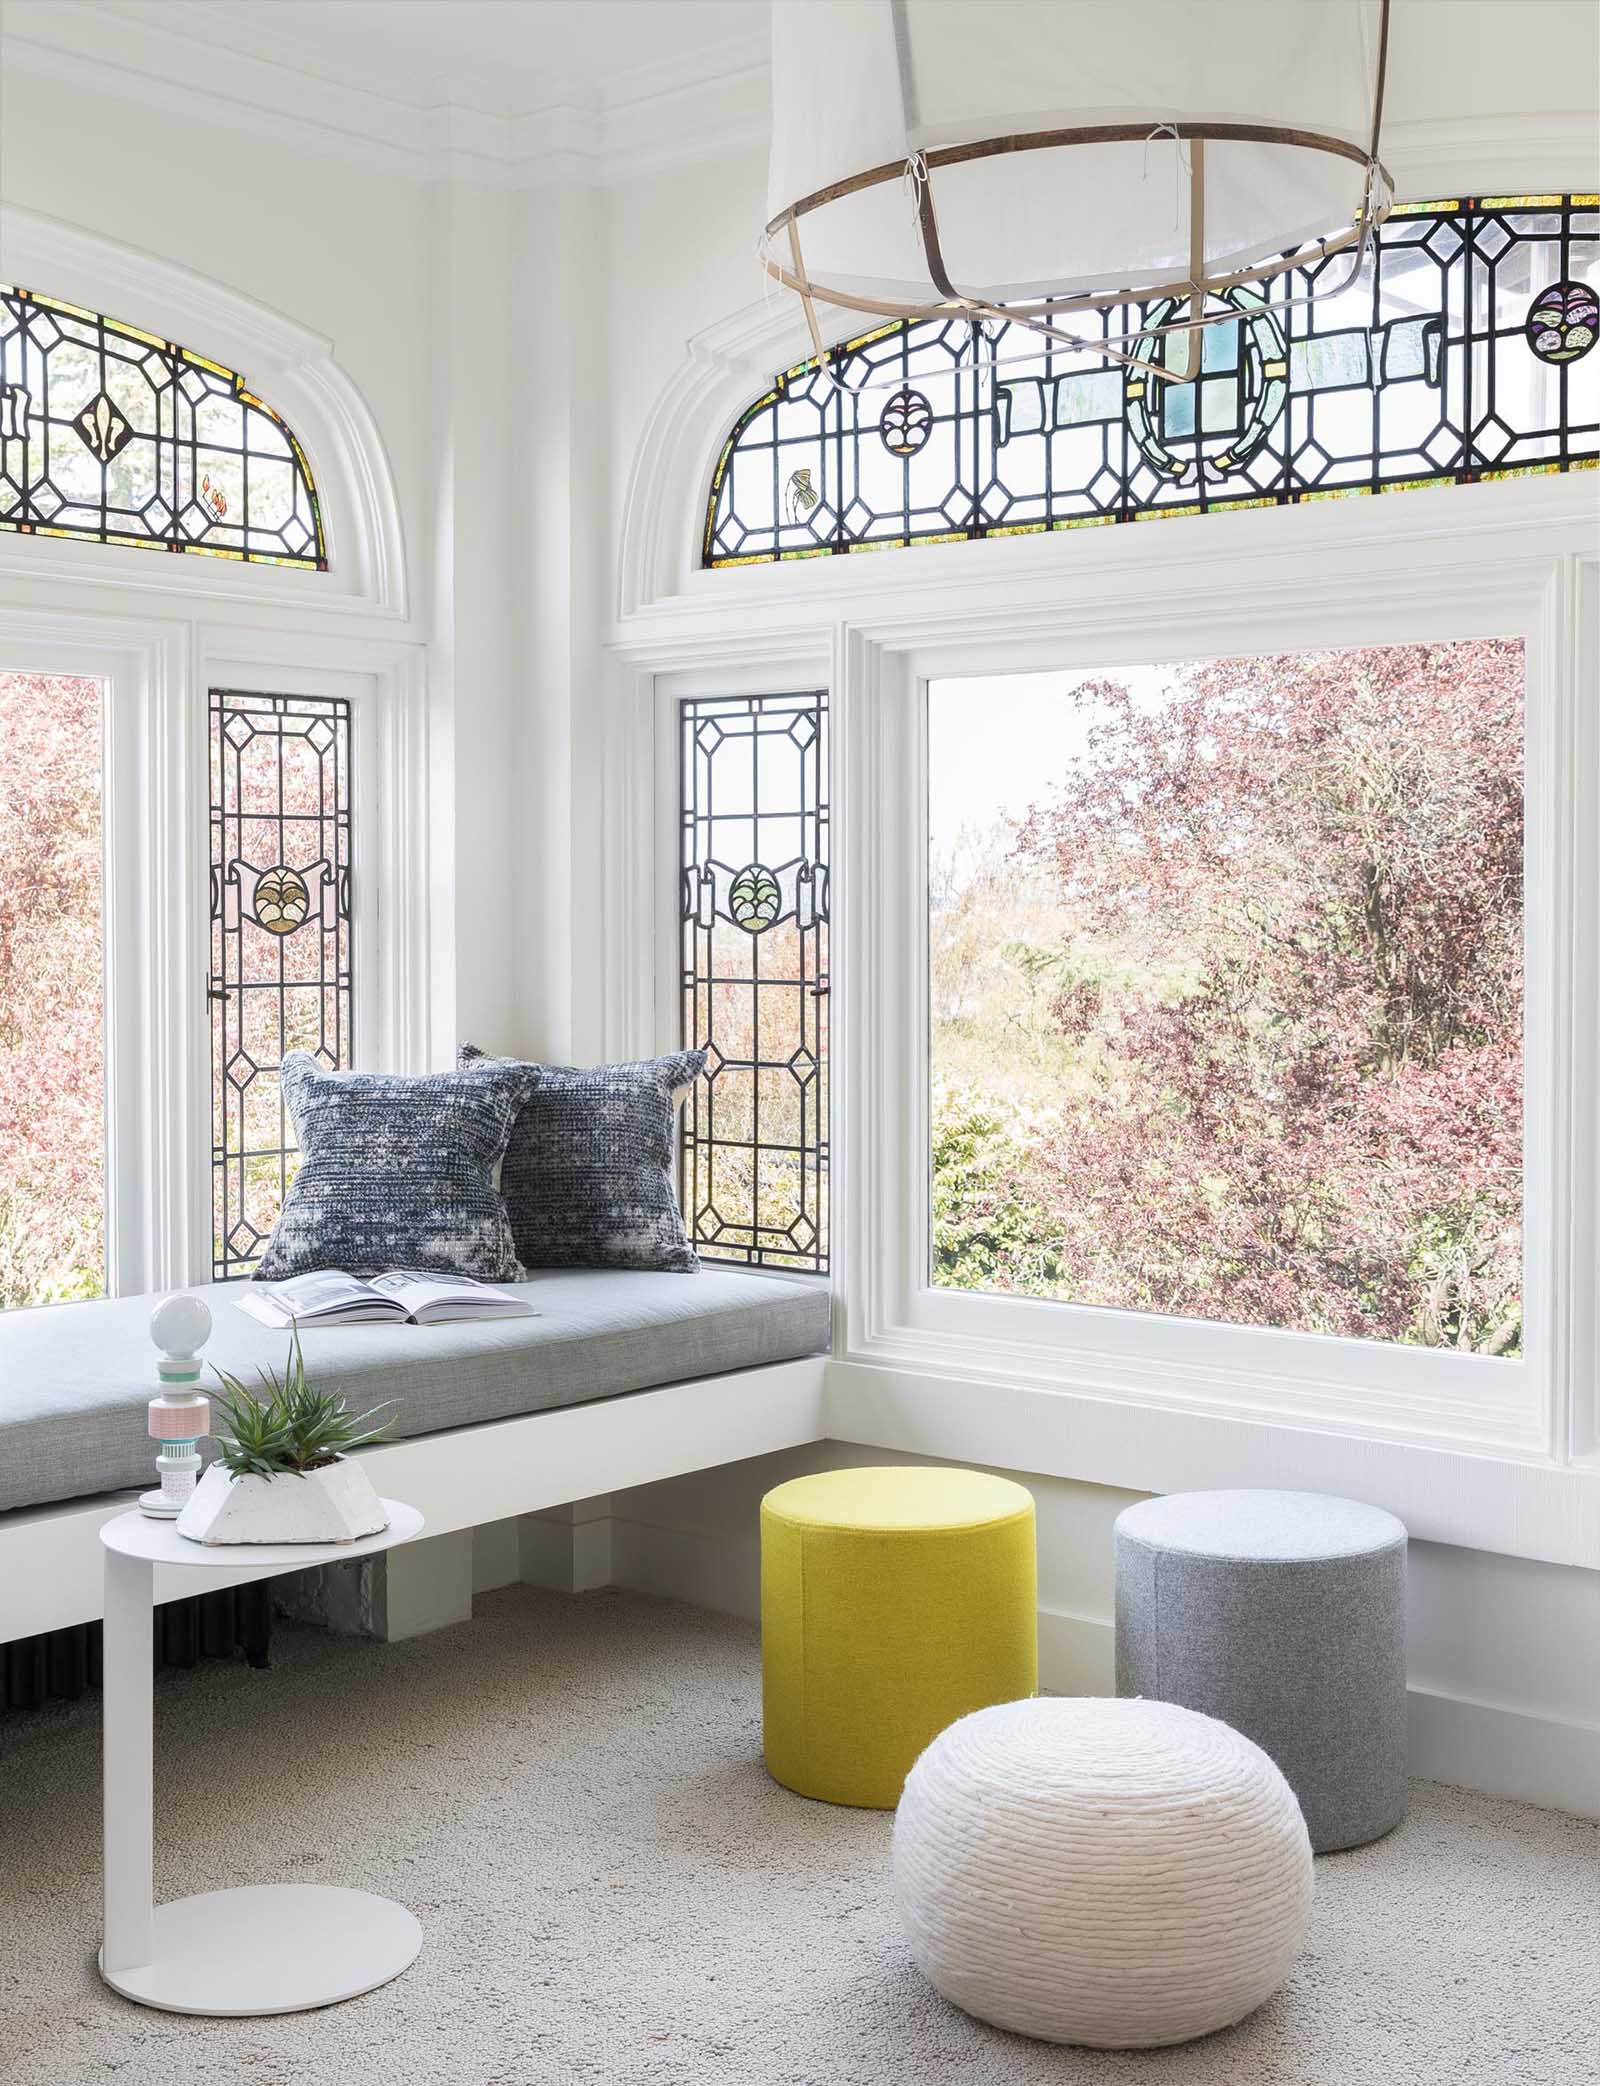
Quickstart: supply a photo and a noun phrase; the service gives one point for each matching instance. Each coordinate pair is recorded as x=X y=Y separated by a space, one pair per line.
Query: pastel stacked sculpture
x=180 y=1326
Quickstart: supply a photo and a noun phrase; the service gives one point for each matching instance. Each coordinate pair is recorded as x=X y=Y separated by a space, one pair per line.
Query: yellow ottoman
x=892 y=1602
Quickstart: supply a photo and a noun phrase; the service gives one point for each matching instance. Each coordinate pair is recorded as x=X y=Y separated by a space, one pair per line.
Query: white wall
x=342 y=249
x=511 y=344
x=680 y=253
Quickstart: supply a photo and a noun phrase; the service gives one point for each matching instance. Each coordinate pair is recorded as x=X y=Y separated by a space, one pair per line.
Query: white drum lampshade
x=957 y=155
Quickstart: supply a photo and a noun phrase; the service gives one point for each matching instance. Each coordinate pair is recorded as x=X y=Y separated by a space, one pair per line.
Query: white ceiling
x=512 y=91
x=503 y=57
x=522 y=91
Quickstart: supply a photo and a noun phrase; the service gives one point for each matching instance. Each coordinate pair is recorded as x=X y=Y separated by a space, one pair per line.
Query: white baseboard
x=1477 y=1745
x=1505 y=1752
x=1077 y=1654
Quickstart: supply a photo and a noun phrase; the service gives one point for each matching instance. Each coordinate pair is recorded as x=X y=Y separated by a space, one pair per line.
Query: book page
x=444 y=1296
x=310 y=1296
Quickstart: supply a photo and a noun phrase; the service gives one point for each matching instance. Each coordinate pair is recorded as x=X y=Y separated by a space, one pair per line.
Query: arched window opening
x=1465 y=351
x=115 y=435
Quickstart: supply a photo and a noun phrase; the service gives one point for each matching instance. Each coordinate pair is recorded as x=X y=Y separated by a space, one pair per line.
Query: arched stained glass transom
x=1465 y=350
x=115 y=435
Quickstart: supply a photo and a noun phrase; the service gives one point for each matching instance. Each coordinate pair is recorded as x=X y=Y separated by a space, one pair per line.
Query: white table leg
x=271 y=1948
x=127 y=1666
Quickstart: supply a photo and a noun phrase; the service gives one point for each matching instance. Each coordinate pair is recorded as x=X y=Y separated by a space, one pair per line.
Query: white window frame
x=389 y=846
x=787 y=671
x=158 y=676
x=144 y=928
x=1118 y=1398
x=1373 y=1387
x=289 y=366
x=161 y=632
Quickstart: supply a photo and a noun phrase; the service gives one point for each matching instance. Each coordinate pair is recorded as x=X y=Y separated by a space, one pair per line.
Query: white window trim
x=163 y=631
x=1370 y=1387
x=283 y=362
x=390 y=870
x=1494 y=559
x=146 y=856
x=158 y=677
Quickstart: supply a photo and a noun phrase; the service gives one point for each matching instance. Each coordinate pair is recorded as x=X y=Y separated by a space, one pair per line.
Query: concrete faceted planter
x=335 y=1503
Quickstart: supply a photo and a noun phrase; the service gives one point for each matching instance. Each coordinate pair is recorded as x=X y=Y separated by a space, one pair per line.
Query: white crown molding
x=1558 y=154
x=675 y=112
x=286 y=363
x=678 y=111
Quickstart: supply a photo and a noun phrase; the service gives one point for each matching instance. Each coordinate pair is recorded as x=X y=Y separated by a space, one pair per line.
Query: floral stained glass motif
x=115 y=435
x=1561 y=325
x=754 y=908
x=1461 y=351
x=280 y=941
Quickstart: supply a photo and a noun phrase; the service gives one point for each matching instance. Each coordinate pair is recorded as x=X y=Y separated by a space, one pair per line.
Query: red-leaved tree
x=1293 y=992
x=52 y=1108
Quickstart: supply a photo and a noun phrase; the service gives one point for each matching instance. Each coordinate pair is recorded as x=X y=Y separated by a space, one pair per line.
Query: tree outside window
x=1226 y=976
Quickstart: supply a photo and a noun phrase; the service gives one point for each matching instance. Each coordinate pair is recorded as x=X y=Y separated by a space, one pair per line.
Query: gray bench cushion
x=75 y=1378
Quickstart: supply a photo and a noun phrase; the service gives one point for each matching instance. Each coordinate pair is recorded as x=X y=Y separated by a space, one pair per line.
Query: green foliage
x=988 y=1232
x=285 y=1425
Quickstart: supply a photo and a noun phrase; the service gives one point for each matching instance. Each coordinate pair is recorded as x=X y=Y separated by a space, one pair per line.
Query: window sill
x=1511 y=1500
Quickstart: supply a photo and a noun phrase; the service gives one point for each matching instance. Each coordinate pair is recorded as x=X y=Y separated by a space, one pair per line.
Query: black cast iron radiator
x=62 y=1664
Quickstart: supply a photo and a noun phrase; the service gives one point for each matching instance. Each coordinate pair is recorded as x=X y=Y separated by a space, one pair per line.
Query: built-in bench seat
x=75 y=1378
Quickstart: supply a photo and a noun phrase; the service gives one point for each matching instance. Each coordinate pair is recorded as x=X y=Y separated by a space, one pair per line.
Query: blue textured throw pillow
x=398 y=1172
x=588 y=1172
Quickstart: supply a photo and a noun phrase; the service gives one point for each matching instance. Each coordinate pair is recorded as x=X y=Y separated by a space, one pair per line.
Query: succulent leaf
x=285 y=1425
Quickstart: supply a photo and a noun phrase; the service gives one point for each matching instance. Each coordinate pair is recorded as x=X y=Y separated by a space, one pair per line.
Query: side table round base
x=275 y=1948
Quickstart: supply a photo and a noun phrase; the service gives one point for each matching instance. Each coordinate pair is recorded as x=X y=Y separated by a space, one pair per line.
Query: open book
x=329 y=1298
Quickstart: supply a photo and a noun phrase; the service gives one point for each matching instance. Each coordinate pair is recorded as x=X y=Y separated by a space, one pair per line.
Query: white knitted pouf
x=1116 y=1873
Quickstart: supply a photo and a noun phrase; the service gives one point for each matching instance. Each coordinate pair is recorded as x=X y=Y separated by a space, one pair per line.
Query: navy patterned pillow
x=588 y=1172
x=398 y=1172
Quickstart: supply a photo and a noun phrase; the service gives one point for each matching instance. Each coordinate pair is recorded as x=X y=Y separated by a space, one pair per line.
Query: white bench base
x=50 y=1556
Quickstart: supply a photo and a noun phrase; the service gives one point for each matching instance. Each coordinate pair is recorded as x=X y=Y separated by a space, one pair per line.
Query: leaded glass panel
x=280 y=941
x=754 y=811
x=1465 y=350
x=117 y=435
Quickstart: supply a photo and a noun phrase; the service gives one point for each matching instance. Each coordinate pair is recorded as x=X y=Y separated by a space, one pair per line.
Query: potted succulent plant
x=283 y=1473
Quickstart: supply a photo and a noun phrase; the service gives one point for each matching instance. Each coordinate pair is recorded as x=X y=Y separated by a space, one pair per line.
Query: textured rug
x=569 y=1794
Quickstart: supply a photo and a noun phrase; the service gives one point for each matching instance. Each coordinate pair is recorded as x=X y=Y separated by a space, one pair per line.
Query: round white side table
x=274 y=1948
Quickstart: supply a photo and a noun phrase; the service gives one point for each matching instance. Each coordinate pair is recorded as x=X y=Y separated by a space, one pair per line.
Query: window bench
x=622 y=1378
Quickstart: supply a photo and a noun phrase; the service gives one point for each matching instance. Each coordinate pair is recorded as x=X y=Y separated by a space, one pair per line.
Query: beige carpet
x=569 y=1794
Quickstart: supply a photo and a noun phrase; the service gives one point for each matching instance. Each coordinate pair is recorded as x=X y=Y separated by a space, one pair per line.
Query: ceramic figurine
x=180 y=1326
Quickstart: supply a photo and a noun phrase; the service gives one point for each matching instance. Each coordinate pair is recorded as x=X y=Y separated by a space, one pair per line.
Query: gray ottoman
x=1282 y=1613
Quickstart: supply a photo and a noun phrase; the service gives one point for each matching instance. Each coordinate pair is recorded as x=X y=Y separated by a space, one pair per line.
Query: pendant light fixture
x=1028 y=160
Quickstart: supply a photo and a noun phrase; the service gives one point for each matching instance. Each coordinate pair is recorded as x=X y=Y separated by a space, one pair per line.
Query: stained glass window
x=1464 y=350
x=280 y=940
x=117 y=435
x=754 y=810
